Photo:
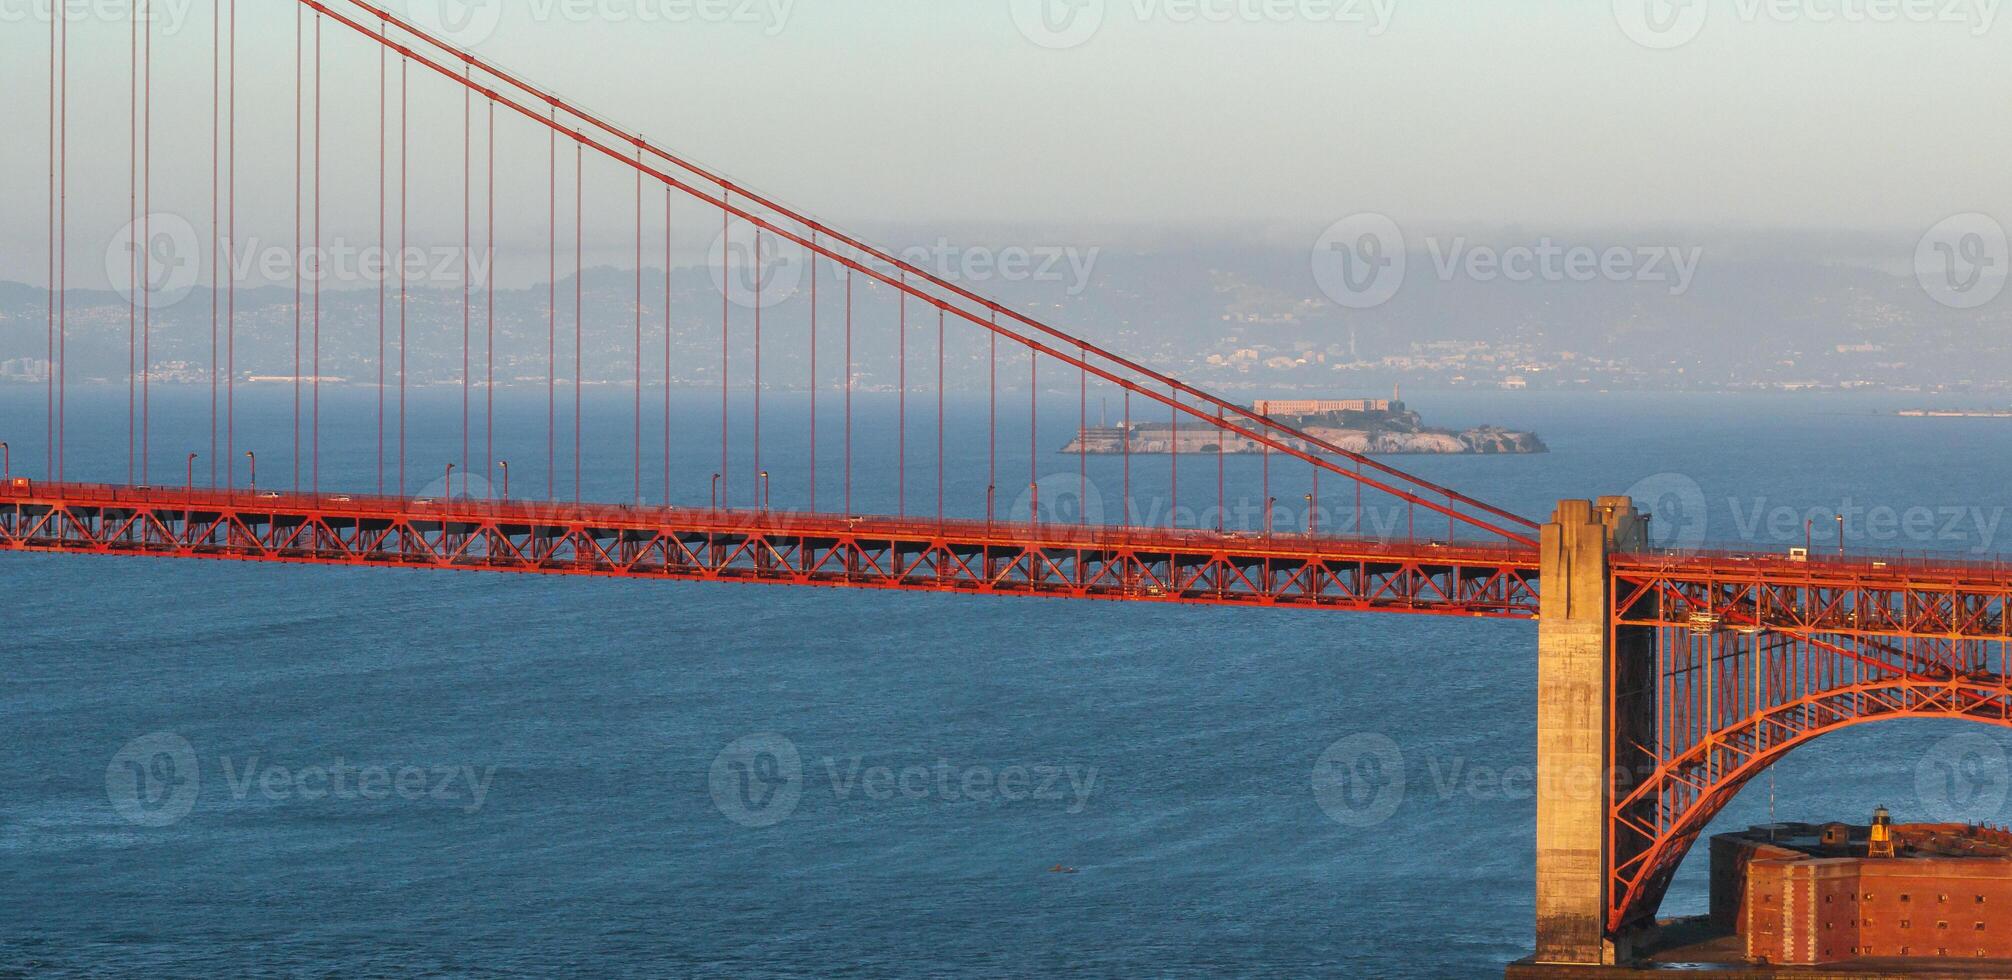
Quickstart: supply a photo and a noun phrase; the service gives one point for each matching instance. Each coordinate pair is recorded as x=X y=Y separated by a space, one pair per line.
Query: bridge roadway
x=729 y=545
x=1865 y=596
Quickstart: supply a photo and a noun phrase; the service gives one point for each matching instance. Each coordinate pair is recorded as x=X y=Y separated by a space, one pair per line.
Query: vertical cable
x=1034 y=435
x=147 y=240
x=813 y=370
x=216 y=134
x=992 y=421
x=138 y=247
x=666 y=347
x=726 y=303
x=901 y=453
x=1174 y=461
x=382 y=95
x=638 y=322
x=1082 y=436
x=759 y=484
x=848 y=393
x=579 y=307
x=230 y=252
x=467 y=254
x=552 y=321
x=49 y=443
x=940 y=362
x=404 y=211
x=299 y=94
x=319 y=271
x=1128 y=456
x=489 y=307
x=62 y=369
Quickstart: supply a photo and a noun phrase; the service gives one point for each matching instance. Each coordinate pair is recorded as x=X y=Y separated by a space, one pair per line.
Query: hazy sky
x=1279 y=114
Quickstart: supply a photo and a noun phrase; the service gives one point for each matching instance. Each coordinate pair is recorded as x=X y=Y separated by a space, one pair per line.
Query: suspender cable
x=315 y=472
x=137 y=248
x=489 y=306
x=1082 y=442
x=146 y=239
x=467 y=255
x=726 y=304
x=992 y=427
x=299 y=93
x=216 y=133
x=383 y=272
x=639 y=332
x=552 y=324
x=940 y=362
x=813 y=377
x=667 y=347
x=848 y=393
x=760 y=484
x=901 y=453
x=61 y=369
x=404 y=211
x=230 y=251
x=579 y=307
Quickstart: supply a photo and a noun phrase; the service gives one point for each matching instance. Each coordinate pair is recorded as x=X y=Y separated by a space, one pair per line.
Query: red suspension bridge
x=1676 y=678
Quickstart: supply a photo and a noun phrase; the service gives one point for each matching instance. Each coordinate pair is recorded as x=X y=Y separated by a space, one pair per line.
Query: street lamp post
x=504 y=465
x=1840 y=535
x=449 y=496
x=991 y=495
x=192 y=473
x=252 y=457
x=1808 y=536
x=765 y=501
x=716 y=493
x=6 y=462
x=1034 y=503
x=1311 y=524
x=1270 y=504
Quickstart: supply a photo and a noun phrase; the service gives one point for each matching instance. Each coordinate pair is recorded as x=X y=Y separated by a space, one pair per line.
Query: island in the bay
x=1371 y=426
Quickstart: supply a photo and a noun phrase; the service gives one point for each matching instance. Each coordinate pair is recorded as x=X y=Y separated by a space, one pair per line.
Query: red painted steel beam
x=819 y=550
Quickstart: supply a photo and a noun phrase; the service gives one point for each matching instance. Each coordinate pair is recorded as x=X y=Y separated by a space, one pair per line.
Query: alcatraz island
x=1371 y=426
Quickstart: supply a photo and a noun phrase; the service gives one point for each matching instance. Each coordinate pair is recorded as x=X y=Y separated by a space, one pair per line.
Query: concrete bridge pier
x=1594 y=698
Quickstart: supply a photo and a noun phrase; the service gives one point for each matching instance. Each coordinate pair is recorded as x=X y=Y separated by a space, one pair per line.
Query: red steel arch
x=1739 y=660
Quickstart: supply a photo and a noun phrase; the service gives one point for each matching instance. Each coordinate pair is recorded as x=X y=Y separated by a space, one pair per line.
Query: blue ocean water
x=411 y=773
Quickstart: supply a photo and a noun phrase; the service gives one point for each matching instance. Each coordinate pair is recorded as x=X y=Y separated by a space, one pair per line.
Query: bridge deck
x=836 y=550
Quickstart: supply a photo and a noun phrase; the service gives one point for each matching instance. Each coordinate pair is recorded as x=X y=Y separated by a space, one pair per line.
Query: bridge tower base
x=1592 y=694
